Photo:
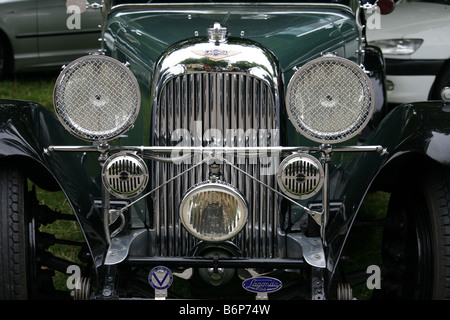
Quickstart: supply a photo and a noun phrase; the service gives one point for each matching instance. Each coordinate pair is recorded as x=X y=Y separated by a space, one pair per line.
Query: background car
x=415 y=40
x=40 y=34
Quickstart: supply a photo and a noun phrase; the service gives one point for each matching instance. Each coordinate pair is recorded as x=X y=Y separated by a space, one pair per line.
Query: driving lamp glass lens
x=213 y=211
x=330 y=99
x=96 y=98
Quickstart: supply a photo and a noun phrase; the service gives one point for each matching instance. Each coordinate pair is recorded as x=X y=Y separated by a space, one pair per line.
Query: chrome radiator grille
x=199 y=103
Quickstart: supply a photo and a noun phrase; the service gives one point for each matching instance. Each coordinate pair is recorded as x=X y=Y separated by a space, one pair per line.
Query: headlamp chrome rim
x=352 y=129
x=128 y=82
x=218 y=186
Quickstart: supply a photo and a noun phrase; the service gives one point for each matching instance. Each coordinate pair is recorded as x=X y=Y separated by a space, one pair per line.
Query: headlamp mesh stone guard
x=330 y=99
x=96 y=98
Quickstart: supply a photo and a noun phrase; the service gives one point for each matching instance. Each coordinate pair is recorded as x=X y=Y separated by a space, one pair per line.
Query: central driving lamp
x=213 y=211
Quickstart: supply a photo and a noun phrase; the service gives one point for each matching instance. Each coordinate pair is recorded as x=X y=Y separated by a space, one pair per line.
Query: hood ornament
x=217 y=33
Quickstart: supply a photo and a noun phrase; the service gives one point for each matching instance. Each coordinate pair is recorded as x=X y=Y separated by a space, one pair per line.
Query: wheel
x=442 y=81
x=15 y=243
x=24 y=263
x=27 y=266
x=416 y=238
x=6 y=59
x=2 y=60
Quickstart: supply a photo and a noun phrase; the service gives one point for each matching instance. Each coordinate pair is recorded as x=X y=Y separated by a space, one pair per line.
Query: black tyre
x=2 y=59
x=442 y=81
x=416 y=240
x=14 y=235
x=6 y=58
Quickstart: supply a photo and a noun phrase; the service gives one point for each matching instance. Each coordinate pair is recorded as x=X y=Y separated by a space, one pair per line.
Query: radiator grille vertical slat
x=221 y=101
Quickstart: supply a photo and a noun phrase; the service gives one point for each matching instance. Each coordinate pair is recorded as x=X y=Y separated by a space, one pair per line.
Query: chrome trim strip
x=244 y=6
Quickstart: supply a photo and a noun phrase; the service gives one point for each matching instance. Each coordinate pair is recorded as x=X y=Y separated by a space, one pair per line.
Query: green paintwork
x=294 y=33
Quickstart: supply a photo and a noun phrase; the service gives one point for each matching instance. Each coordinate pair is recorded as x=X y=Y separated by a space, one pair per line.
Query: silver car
x=45 y=34
x=415 y=40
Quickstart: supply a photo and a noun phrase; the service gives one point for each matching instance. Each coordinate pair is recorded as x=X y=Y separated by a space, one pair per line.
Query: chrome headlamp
x=96 y=98
x=125 y=175
x=330 y=99
x=300 y=176
x=213 y=211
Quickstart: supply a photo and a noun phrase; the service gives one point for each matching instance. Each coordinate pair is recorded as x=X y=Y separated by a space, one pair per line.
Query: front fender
x=426 y=131
x=414 y=136
x=26 y=130
x=412 y=131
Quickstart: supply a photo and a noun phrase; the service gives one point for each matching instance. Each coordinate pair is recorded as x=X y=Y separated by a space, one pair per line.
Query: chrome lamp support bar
x=239 y=151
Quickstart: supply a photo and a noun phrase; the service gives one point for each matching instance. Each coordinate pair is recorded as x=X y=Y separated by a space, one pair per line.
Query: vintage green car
x=224 y=150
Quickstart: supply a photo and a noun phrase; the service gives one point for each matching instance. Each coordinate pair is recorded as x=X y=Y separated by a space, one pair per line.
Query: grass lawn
x=38 y=87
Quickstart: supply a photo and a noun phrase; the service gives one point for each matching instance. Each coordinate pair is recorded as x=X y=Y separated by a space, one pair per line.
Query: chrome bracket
x=120 y=246
x=311 y=248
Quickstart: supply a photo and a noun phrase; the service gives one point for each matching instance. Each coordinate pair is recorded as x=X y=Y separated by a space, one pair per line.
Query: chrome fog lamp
x=96 y=98
x=330 y=99
x=125 y=175
x=213 y=211
x=300 y=176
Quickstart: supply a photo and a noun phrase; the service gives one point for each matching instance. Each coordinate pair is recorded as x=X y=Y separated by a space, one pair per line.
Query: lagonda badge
x=216 y=54
x=262 y=285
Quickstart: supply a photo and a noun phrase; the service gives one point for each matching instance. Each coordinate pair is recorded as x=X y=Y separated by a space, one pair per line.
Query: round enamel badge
x=160 y=278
